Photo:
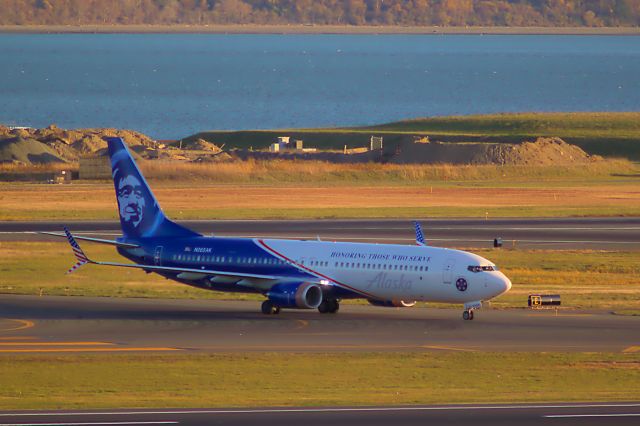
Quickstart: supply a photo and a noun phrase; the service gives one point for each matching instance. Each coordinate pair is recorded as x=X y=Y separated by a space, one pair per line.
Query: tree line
x=591 y=13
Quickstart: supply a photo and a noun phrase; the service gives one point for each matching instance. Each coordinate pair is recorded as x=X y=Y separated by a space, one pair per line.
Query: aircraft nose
x=504 y=283
x=501 y=283
x=507 y=284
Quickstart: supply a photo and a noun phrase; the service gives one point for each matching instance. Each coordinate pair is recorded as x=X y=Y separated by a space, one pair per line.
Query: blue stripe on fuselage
x=239 y=255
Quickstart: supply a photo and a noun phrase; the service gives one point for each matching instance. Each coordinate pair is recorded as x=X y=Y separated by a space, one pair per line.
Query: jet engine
x=391 y=303
x=296 y=295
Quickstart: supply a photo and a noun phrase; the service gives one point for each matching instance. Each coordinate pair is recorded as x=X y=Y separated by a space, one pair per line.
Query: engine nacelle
x=391 y=303
x=296 y=295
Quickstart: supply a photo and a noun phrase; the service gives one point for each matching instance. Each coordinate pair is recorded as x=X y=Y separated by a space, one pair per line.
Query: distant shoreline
x=309 y=29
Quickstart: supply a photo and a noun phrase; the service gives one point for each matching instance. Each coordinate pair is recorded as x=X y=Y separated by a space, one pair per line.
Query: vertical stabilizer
x=140 y=213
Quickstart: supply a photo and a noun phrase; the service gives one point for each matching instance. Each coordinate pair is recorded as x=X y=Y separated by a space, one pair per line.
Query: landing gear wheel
x=268 y=308
x=467 y=315
x=324 y=307
x=329 y=306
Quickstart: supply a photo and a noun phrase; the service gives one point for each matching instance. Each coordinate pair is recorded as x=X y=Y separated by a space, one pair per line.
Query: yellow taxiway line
x=56 y=344
x=59 y=350
x=24 y=324
x=17 y=338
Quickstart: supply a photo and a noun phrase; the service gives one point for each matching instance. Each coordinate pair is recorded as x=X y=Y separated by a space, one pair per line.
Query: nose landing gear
x=469 y=307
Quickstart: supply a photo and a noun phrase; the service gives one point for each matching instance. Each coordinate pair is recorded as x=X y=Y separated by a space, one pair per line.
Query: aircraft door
x=157 y=256
x=447 y=271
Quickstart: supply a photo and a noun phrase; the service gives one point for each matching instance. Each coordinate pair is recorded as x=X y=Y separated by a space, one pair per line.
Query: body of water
x=170 y=86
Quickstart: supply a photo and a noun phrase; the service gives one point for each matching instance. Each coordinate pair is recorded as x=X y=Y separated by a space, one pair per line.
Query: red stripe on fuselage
x=273 y=251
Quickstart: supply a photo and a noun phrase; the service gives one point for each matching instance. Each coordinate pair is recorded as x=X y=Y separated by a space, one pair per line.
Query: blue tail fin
x=140 y=213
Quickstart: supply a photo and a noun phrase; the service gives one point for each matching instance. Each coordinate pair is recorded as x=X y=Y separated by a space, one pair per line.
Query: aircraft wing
x=94 y=240
x=419 y=234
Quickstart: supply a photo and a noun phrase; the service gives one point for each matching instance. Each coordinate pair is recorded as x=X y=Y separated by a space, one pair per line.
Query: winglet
x=77 y=251
x=419 y=235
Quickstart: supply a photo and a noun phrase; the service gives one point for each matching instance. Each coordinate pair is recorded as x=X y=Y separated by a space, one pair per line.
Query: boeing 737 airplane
x=291 y=274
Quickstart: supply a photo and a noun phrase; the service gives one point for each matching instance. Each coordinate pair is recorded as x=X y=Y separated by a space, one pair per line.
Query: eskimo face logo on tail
x=131 y=200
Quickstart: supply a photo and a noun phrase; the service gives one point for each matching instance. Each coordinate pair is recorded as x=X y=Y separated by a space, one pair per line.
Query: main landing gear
x=467 y=315
x=268 y=308
x=330 y=306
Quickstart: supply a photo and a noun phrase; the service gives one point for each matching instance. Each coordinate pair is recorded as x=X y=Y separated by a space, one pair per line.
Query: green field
x=408 y=213
x=607 y=134
x=287 y=379
x=585 y=279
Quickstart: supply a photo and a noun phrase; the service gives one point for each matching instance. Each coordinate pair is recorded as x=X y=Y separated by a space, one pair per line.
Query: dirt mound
x=27 y=151
x=89 y=144
x=217 y=158
x=542 y=152
x=68 y=145
x=201 y=145
x=546 y=151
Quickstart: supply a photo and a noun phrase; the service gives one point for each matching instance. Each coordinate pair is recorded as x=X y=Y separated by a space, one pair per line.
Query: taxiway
x=84 y=324
x=543 y=233
x=553 y=414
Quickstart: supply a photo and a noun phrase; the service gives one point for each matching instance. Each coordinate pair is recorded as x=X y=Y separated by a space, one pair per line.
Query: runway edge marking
x=321 y=410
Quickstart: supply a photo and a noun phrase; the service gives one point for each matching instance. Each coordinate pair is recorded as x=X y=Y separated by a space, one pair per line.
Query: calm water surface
x=170 y=86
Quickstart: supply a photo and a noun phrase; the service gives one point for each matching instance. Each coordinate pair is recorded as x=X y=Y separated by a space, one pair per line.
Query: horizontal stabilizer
x=94 y=240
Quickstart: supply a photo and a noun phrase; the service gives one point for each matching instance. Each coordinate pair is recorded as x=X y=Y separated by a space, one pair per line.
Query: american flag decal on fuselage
x=77 y=251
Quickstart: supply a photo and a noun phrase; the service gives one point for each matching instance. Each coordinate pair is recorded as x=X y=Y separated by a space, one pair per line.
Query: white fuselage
x=396 y=272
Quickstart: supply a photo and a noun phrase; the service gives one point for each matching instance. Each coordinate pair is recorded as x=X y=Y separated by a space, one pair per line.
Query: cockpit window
x=485 y=268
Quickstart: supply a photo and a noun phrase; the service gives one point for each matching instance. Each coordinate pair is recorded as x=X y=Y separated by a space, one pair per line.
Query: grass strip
x=336 y=213
x=289 y=379
x=602 y=197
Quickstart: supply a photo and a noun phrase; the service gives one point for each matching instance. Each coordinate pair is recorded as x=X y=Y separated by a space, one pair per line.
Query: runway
x=546 y=233
x=32 y=324
x=463 y=415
